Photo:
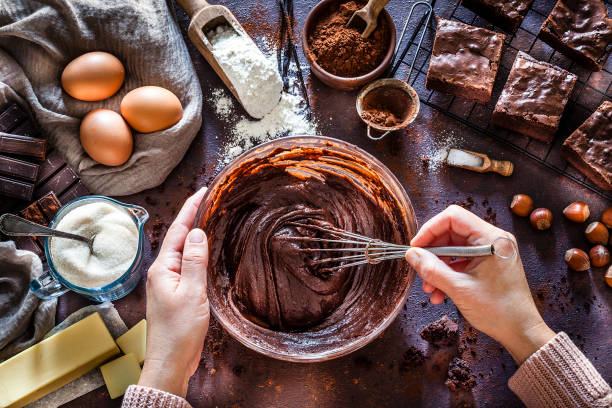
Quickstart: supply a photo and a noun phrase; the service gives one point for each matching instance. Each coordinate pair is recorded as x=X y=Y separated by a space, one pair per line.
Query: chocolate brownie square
x=581 y=30
x=589 y=148
x=506 y=14
x=534 y=98
x=464 y=60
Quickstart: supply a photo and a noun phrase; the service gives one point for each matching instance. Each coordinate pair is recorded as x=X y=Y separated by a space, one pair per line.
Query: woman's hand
x=491 y=293
x=177 y=305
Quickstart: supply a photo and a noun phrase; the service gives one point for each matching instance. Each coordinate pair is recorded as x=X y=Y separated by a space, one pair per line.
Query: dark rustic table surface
x=378 y=375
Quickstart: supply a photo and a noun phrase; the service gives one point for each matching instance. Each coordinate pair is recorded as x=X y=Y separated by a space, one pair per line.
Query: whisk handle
x=462 y=251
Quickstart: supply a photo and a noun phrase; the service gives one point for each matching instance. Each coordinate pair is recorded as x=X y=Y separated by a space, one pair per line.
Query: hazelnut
x=609 y=276
x=521 y=205
x=606 y=217
x=600 y=256
x=541 y=218
x=577 y=259
x=597 y=233
x=577 y=211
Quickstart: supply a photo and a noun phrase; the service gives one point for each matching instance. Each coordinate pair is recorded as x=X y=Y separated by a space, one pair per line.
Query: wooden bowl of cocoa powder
x=338 y=55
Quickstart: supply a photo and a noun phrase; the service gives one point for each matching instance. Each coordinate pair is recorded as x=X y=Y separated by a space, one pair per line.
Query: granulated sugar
x=254 y=76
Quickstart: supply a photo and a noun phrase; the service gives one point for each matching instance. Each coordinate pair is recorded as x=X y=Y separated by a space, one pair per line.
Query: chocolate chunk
x=507 y=14
x=33 y=213
x=442 y=332
x=50 y=205
x=589 y=148
x=464 y=60
x=460 y=376
x=11 y=117
x=23 y=146
x=59 y=183
x=581 y=30
x=18 y=168
x=534 y=98
x=16 y=189
x=76 y=191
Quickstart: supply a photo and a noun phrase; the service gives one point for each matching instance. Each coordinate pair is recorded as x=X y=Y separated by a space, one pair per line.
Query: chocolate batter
x=265 y=276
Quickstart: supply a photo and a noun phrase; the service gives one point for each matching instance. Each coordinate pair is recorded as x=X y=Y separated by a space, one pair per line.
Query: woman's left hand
x=177 y=306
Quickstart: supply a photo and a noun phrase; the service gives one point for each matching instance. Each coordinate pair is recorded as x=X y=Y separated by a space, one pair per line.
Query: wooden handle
x=375 y=7
x=192 y=6
x=503 y=167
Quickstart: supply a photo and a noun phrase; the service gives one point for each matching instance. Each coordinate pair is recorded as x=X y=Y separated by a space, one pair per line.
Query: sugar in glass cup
x=52 y=284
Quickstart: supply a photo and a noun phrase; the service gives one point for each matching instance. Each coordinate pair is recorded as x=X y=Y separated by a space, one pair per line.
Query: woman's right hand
x=491 y=293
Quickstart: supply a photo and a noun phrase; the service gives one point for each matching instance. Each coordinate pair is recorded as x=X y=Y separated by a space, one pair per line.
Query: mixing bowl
x=380 y=290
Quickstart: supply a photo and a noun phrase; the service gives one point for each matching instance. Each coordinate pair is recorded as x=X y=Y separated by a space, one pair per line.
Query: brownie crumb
x=413 y=357
x=442 y=332
x=460 y=376
x=425 y=161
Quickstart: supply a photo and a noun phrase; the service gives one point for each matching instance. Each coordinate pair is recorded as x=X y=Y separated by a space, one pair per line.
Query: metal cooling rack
x=591 y=88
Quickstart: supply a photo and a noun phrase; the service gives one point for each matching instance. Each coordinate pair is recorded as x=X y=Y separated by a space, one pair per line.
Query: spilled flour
x=289 y=117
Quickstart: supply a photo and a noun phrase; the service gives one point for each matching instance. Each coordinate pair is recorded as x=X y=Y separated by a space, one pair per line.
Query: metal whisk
x=364 y=250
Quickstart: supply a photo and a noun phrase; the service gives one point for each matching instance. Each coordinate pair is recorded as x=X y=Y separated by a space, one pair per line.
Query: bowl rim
x=350 y=81
x=354 y=344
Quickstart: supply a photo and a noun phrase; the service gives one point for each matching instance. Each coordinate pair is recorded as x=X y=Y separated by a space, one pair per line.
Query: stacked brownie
x=464 y=60
x=507 y=14
x=581 y=30
x=533 y=98
x=589 y=148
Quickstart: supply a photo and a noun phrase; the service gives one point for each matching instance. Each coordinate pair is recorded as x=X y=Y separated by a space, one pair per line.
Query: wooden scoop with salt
x=478 y=162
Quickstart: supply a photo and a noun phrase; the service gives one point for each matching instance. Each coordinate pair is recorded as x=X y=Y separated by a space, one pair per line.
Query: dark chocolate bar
x=18 y=168
x=23 y=146
x=58 y=183
x=29 y=244
x=76 y=191
x=52 y=164
x=11 y=117
x=16 y=189
x=26 y=129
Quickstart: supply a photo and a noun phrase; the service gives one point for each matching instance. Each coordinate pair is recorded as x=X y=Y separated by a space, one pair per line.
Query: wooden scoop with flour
x=206 y=17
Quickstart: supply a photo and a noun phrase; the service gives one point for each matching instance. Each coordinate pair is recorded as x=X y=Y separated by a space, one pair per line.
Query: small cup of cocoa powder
x=337 y=54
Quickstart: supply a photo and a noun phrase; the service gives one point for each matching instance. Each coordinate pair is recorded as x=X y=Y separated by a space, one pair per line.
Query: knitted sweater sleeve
x=138 y=396
x=559 y=375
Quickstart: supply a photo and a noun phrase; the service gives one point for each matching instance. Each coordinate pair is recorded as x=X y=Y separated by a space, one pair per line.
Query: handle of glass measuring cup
x=46 y=286
x=369 y=133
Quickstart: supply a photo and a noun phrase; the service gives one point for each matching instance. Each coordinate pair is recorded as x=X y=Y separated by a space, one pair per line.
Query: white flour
x=254 y=76
x=114 y=247
x=287 y=118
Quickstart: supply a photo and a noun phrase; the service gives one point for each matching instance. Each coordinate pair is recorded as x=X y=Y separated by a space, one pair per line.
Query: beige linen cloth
x=38 y=39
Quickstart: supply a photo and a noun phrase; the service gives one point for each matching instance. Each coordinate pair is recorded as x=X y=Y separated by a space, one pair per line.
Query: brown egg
x=93 y=76
x=151 y=108
x=106 y=137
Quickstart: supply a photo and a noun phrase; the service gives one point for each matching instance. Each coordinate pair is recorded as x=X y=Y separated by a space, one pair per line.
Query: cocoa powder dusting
x=381 y=118
x=341 y=50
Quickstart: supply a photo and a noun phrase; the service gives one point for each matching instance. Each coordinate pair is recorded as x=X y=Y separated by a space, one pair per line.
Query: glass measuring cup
x=51 y=284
